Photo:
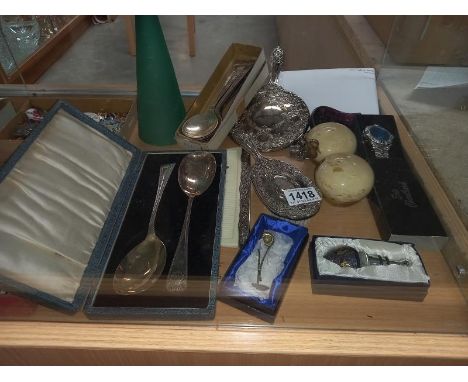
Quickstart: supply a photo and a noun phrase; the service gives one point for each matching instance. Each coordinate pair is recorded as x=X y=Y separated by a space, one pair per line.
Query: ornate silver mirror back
x=271 y=177
x=275 y=117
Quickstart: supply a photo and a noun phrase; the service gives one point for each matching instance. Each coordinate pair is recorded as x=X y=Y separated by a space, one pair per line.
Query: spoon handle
x=276 y=62
x=165 y=172
x=177 y=277
x=248 y=146
x=231 y=86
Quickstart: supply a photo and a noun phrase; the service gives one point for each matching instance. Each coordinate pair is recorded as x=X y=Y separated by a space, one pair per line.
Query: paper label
x=296 y=196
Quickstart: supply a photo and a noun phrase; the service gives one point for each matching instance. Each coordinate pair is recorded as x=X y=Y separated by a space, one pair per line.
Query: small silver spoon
x=202 y=125
x=196 y=173
x=143 y=265
x=268 y=240
x=349 y=257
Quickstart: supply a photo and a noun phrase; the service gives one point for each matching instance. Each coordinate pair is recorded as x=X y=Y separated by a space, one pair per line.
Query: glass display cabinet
x=31 y=44
x=305 y=315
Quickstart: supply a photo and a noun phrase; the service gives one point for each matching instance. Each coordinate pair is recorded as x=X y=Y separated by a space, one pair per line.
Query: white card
x=296 y=196
x=352 y=90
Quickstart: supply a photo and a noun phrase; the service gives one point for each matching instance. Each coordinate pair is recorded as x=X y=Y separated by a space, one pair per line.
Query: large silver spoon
x=196 y=173
x=203 y=124
x=143 y=265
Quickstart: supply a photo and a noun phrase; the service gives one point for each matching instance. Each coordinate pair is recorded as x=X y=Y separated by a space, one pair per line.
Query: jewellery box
x=360 y=267
x=400 y=205
x=258 y=277
x=75 y=198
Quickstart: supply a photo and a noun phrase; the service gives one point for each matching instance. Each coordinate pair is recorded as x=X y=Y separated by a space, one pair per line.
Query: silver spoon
x=268 y=240
x=202 y=125
x=143 y=265
x=349 y=257
x=196 y=173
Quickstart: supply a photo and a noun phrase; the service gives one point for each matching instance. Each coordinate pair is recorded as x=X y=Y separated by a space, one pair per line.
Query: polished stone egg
x=344 y=178
x=333 y=138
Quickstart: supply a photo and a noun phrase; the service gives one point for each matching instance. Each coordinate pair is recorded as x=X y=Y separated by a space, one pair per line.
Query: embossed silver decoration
x=275 y=117
x=244 y=198
x=271 y=176
x=304 y=149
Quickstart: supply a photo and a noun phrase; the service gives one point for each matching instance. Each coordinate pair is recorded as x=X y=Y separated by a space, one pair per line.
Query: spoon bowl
x=196 y=173
x=201 y=125
x=141 y=267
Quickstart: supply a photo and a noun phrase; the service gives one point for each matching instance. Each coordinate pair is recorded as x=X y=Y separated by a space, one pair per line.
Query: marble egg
x=344 y=178
x=333 y=138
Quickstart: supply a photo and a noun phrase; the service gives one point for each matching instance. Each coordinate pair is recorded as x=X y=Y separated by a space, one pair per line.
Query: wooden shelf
x=309 y=328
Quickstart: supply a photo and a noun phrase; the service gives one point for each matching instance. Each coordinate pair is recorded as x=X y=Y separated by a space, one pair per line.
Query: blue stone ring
x=380 y=139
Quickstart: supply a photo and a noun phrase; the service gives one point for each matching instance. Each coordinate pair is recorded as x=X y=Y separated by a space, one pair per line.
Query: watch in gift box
x=380 y=139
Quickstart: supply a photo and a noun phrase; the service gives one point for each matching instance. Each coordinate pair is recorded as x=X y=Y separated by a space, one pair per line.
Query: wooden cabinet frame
x=63 y=343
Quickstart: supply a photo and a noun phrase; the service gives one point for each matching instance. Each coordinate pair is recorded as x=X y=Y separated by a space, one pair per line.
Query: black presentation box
x=401 y=207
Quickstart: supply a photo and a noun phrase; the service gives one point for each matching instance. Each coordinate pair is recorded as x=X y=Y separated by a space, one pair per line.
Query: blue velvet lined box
x=126 y=224
x=231 y=291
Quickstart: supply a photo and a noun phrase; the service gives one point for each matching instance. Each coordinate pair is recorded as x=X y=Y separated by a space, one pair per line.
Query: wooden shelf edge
x=233 y=340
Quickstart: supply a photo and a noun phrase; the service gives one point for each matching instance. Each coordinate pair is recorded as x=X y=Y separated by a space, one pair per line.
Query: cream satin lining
x=54 y=203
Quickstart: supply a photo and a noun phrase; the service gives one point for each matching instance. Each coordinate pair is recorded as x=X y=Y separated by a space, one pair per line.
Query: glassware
x=22 y=34
x=6 y=58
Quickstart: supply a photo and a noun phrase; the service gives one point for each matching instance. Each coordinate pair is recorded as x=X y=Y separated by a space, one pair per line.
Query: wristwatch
x=380 y=139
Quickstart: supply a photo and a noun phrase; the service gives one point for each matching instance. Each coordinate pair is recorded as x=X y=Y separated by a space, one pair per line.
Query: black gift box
x=338 y=285
x=122 y=228
x=401 y=207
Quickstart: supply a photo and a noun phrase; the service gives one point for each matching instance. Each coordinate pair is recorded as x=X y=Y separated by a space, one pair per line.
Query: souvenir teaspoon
x=348 y=257
x=196 y=173
x=268 y=240
x=143 y=265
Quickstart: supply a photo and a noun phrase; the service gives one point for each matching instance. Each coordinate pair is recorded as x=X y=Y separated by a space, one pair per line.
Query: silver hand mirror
x=275 y=117
x=271 y=177
x=143 y=265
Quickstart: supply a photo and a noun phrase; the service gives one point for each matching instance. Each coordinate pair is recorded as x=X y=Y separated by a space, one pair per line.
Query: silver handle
x=244 y=202
x=276 y=62
x=165 y=172
x=239 y=73
x=177 y=277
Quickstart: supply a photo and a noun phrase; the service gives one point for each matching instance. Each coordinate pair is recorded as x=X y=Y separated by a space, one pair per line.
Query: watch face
x=379 y=134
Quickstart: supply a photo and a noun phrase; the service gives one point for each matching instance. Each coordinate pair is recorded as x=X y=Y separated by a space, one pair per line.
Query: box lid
x=60 y=199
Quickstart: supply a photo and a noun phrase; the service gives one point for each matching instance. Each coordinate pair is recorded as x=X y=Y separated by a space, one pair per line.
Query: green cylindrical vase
x=160 y=105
